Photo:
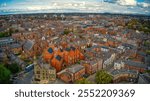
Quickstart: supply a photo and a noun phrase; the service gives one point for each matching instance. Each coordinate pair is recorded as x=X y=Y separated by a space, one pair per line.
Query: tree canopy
x=14 y=68
x=66 y=31
x=4 y=74
x=102 y=77
x=83 y=81
x=141 y=25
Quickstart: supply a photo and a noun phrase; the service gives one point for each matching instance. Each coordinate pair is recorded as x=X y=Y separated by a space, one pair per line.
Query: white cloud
x=118 y=6
x=127 y=2
x=143 y=4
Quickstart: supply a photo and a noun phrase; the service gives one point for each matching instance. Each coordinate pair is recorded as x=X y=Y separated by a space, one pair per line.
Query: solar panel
x=73 y=48
x=50 y=50
x=58 y=57
x=67 y=49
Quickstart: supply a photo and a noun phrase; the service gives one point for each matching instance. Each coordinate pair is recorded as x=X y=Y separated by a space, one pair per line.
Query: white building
x=118 y=65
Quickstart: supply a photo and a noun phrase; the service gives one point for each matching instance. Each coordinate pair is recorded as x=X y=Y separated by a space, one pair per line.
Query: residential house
x=3 y=56
x=118 y=64
x=108 y=58
x=132 y=65
x=122 y=75
x=16 y=48
x=4 y=42
x=17 y=60
x=147 y=60
x=28 y=48
x=104 y=49
x=93 y=65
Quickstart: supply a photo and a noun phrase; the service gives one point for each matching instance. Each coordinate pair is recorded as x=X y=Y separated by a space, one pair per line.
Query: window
x=38 y=72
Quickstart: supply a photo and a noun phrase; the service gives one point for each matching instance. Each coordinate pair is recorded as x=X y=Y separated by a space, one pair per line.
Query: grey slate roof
x=46 y=66
x=16 y=45
x=28 y=45
x=123 y=71
x=147 y=60
x=75 y=68
x=6 y=40
x=135 y=64
x=17 y=60
x=145 y=77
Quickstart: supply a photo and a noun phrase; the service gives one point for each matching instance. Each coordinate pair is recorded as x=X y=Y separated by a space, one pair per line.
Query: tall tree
x=4 y=74
x=102 y=77
x=14 y=68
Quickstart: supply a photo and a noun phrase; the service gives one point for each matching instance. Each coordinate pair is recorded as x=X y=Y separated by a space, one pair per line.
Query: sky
x=82 y=6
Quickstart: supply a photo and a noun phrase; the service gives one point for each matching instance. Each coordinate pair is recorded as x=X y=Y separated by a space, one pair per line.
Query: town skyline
x=75 y=6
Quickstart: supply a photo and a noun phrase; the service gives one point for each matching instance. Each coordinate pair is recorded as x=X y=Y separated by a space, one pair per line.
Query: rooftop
x=6 y=40
x=135 y=64
x=58 y=57
x=73 y=48
x=28 y=44
x=123 y=71
x=46 y=66
x=145 y=77
x=75 y=68
x=16 y=45
x=67 y=49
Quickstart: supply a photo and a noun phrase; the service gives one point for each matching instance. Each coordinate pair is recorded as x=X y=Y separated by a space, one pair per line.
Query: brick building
x=122 y=75
x=44 y=73
x=61 y=58
x=16 y=48
x=72 y=73
x=132 y=65
x=93 y=66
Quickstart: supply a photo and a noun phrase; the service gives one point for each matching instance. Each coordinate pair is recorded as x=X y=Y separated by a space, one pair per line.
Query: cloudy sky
x=95 y=6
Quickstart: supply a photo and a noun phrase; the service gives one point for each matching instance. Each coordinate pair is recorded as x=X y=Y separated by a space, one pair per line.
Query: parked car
x=29 y=68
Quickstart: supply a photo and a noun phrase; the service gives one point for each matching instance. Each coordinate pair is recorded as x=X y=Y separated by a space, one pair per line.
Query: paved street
x=91 y=78
x=25 y=78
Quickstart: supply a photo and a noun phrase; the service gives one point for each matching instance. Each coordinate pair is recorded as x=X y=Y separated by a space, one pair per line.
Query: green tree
x=66 y=31
x=102 y=77
x=141 y=25
x=79 y=62
x=148 y=52
x=147 y=43
x=147 y=71
x=14 y=68
x=4 y=75
x=4 y=34
x=83 y=81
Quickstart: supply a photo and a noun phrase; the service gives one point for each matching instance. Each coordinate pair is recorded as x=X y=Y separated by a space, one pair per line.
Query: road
x=91 y=78
x=25 y=78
